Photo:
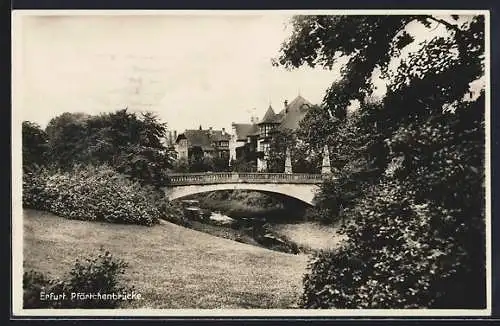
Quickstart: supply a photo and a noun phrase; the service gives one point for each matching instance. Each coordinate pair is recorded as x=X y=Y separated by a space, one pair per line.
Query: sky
x=191 y=70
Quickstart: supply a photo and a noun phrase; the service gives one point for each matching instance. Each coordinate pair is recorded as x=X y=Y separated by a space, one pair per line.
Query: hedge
x=92 y=193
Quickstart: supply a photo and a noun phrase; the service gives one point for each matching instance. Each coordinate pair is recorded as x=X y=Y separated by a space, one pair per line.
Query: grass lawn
x=171 y=266
x=311 y=235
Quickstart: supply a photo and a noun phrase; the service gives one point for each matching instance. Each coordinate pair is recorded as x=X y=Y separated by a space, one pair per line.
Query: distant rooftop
x=243 y=130
x=203 y=138
x=289 y=117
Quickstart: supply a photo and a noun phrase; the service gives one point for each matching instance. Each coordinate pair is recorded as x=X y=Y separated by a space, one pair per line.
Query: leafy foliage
x=243 y=165
x=220 y=163
x=322 y=40
x=66 y=138
x=181 y=165
x=100 y=274
x=304 y=159
x=33 y=284
x=317 y=128
x=411 y=179
x=91 y=275
x=35 y=146
x=131 y=144
x=399 y=254
x=94 y=194
x=208 y=163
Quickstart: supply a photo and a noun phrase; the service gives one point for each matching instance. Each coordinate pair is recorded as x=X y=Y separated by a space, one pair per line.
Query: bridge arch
x=301 y=186
x=302 y=192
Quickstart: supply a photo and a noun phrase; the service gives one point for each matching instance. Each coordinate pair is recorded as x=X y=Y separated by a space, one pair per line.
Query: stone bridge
x=297 y=185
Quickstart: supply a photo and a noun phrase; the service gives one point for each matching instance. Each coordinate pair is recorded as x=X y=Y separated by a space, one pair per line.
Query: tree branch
x=444 y=22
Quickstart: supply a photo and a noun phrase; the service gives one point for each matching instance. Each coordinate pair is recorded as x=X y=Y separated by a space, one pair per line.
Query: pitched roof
x=279 y=116
x=203 y=138
x=255 y=131
x=218 y=135
x=297 y=110
x=198 y=138
x=269 y=117
x=243 y=130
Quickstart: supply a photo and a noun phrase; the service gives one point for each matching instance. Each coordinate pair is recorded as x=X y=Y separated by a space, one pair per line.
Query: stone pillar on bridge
x=326 y=167
x=288 y=162
x=261 y=165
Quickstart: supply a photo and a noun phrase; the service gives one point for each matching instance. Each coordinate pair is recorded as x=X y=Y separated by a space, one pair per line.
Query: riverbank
x=311 y=235
x=173 y=267
x=261 y=220
x=251 y=204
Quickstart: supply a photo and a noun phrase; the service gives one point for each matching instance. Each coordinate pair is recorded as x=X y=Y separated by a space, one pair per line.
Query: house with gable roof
x=251 y=141
x=205 y=142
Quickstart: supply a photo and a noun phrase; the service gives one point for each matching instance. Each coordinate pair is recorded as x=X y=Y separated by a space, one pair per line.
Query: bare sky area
x=191 y=70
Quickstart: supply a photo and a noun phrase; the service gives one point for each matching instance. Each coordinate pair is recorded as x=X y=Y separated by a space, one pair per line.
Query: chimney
x=224 y=131
x=175 y=135
x=210 y=130
x=200 y=127
x=286 y=106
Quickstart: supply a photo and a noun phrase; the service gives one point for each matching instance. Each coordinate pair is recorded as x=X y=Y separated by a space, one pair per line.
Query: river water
x=295 y=237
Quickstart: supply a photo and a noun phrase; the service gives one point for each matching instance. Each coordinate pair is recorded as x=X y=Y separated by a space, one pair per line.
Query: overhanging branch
x=447 y=24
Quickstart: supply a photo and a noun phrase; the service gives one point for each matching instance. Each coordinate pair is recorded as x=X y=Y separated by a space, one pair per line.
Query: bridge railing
x=242 y=177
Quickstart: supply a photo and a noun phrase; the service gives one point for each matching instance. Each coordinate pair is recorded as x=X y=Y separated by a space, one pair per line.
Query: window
x=265 y=129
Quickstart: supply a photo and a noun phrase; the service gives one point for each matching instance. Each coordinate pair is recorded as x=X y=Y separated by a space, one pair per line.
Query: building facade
x=202 y=142
x=251 y=142
x=243 y=143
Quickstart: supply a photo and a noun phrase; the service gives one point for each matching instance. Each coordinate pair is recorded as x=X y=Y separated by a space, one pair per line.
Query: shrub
x=33 y=284
x=416 y=239
x=91 y=275
x=92 y=193
x=174 y=212
x=180 y=165
x=242 y=165
x=97 y=275
x=399 y=254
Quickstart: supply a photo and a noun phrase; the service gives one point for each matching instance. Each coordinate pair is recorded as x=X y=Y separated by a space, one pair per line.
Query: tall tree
x=304 y=159
x=129 y=142
x=416 y=236
x=35 y=145
x=317 y=128
x=67 y=137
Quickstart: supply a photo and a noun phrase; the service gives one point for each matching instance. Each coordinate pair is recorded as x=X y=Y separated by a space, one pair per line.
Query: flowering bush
x=92 y=193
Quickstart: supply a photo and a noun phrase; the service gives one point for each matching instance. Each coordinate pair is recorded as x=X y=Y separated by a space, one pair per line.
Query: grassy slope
x=311 y=235
x=171 y=266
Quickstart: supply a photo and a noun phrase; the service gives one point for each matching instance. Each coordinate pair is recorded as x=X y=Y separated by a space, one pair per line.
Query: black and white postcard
x=251 y=163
